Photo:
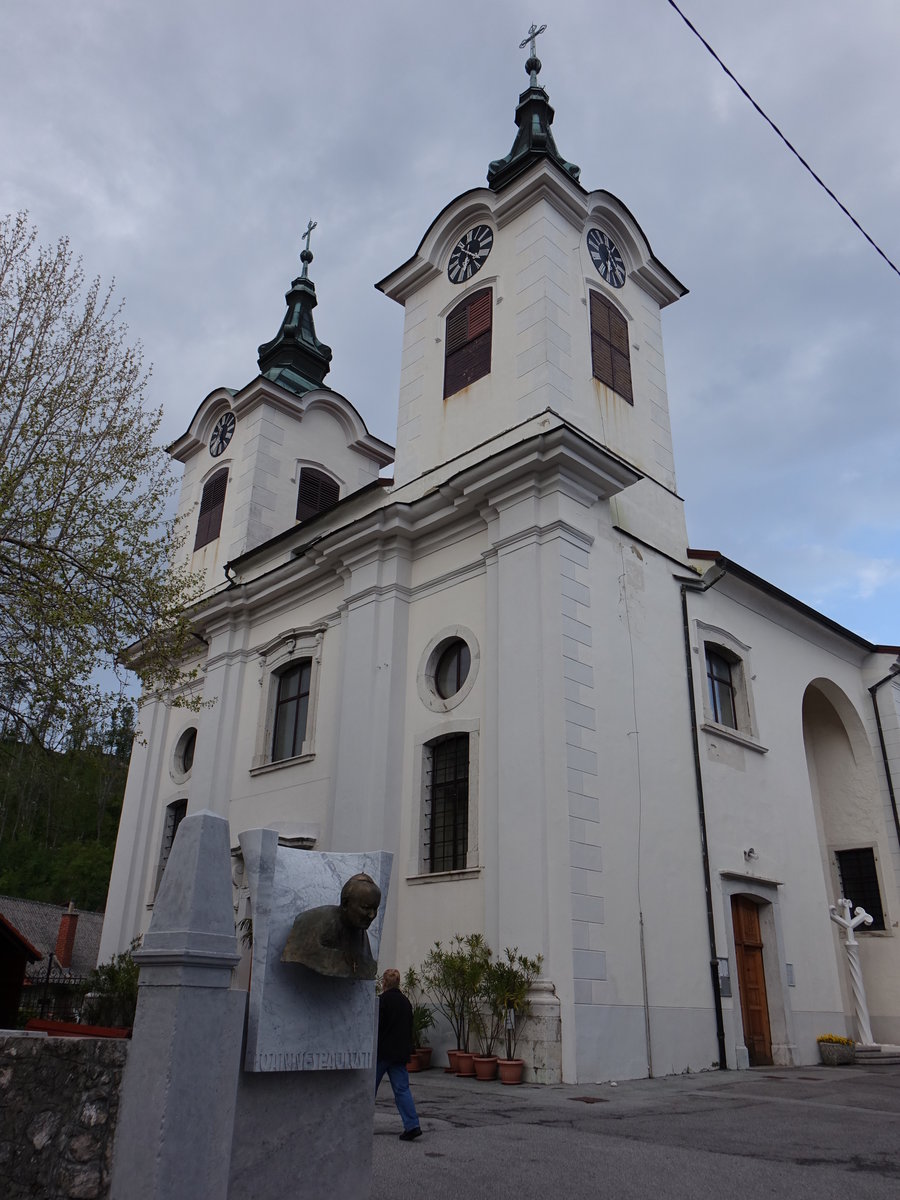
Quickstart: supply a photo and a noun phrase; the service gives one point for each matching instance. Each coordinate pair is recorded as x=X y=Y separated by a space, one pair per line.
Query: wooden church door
x=751 y=981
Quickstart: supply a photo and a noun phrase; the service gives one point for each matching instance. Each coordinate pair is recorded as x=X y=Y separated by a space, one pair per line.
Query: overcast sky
x=183 y=145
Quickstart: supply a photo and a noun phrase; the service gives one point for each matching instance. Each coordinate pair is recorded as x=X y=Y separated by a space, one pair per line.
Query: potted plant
x=836 y=1051
x=515 y=974
x=422 y=1020
x=453 y=977
x=488 y=1016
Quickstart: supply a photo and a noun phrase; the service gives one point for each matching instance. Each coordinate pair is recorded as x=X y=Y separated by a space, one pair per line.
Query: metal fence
x=54 y=998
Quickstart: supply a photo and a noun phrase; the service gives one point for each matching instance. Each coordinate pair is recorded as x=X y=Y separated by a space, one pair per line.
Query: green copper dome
x=534 y=141
x=295 y=358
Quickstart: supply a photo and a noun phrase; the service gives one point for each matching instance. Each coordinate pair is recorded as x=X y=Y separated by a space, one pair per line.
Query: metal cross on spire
x=306 y=254
x=533 y=65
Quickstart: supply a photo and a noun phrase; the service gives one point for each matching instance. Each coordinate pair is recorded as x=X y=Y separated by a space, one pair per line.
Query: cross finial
x=306 y=254
x=533 y=65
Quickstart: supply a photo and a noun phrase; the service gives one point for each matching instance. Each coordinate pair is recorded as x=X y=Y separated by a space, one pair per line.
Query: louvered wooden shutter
x=468 y=342
x=212 y=503
x=610 y=353
x=317 y=492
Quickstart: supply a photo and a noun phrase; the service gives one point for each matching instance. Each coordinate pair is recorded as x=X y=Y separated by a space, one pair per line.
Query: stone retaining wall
x=59 y=1101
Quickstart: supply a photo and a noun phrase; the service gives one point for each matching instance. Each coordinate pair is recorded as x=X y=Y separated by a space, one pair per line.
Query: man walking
x=394 y=1048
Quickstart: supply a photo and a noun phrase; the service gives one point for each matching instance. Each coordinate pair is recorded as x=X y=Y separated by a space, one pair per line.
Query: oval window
x=184 y=752
x=452 y=668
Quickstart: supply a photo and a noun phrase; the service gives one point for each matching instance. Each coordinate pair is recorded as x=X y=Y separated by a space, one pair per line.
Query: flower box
x=836 y=1054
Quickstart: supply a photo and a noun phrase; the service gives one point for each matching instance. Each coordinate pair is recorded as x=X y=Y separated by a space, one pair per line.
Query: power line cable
x=790 y=147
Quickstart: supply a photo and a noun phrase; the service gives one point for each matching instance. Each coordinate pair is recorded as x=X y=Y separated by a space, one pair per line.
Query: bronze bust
x=332 y=939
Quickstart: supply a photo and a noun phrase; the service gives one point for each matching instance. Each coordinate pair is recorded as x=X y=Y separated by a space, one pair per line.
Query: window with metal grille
x=317 y=492
x=212 y=502
x=468 y=342
x=175 y=814
x=447 y=804
x=291 y=710
x=610 y=353
x=859 y=884
x=721 y=689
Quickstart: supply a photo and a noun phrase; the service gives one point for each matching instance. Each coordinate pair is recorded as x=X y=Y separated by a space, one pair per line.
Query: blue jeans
x=397 y=1074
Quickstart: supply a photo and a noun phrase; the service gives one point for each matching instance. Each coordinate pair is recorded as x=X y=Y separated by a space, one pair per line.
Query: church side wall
x=760 y=798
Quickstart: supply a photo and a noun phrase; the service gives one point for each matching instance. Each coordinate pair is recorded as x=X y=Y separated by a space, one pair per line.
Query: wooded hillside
x=59 y=812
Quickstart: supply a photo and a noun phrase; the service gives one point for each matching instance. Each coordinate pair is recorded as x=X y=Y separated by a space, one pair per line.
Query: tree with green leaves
x=85 y=546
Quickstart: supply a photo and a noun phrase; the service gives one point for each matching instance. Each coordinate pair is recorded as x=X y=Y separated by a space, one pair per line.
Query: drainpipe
x=892 y=674
x=710 y=579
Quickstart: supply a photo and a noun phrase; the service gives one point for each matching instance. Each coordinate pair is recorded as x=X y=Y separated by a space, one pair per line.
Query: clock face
x=470 y=253
x=606 y=257
x=221 y=434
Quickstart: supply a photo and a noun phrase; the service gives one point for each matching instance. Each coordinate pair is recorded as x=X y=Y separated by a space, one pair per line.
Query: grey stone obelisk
x=176 y=1120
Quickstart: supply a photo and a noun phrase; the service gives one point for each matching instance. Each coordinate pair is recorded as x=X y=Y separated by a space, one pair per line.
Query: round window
x=452 y=668
x=448 y=668
x=184 y=752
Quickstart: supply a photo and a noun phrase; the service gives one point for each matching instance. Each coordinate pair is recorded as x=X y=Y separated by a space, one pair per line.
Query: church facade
x=505 y=665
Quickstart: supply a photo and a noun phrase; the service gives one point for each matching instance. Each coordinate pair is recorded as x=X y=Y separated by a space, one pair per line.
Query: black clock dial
x=470 y=253
x=606 y=257
x=221 y=434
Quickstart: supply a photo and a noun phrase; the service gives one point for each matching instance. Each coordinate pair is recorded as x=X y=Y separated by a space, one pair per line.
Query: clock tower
x=533 y=294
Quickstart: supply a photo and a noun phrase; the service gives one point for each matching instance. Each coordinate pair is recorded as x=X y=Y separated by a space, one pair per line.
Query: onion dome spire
x=534 y=116
x=295 y=358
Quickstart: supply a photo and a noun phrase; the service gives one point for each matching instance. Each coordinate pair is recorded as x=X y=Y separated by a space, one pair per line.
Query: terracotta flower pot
x=510 y=1069
x=486 y=1066
x=452 y=1066
x=465 y=1063
x=414 y=1063
x=423 y=1054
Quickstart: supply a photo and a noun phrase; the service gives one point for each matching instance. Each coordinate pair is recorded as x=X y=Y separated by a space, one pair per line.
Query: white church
x=492 y=652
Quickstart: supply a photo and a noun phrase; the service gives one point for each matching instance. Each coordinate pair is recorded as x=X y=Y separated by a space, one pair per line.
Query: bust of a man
x=332 y=939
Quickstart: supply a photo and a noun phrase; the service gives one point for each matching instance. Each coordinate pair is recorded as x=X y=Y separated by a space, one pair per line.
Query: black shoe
x=410 y=1135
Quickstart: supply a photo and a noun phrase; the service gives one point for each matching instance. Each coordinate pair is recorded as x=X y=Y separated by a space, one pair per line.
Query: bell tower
x=533 y=294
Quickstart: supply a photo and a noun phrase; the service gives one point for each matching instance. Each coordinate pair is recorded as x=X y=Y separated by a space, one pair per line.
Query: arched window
x=468 y=342
x=212 y=502
x=291 y=710
x=317 y=492
x=610 y=354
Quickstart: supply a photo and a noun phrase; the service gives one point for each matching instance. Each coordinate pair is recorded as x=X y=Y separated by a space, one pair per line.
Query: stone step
x=878 y=1056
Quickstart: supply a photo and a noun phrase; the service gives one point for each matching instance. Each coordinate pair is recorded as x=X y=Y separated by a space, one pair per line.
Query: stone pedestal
x=178 y=1094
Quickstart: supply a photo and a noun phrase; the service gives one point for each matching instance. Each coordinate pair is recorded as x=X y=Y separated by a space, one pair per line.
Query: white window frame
x=282 y=652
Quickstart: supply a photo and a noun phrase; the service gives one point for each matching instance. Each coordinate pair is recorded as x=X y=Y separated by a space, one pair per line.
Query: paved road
x=810 y=1133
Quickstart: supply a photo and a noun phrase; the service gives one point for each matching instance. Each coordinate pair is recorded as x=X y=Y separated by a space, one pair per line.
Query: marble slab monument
x=299 y=1020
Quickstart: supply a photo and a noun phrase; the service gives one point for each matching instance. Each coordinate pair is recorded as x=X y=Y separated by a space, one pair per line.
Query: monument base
x=297 y=1131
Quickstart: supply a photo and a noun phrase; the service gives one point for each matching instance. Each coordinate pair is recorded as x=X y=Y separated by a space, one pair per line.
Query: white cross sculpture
x=860 y=917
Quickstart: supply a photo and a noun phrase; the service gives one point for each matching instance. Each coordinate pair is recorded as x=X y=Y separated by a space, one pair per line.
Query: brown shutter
x=479 y=314
x=468 y=342
x=317 y=492
x=212 y=504
x=457 y=329
x=610 y=352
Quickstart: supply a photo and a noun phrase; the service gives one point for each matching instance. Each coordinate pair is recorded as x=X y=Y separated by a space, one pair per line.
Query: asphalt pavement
x=810 y=1133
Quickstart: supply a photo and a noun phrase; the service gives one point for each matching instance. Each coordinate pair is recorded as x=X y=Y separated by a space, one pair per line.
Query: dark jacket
x=394 y=1027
